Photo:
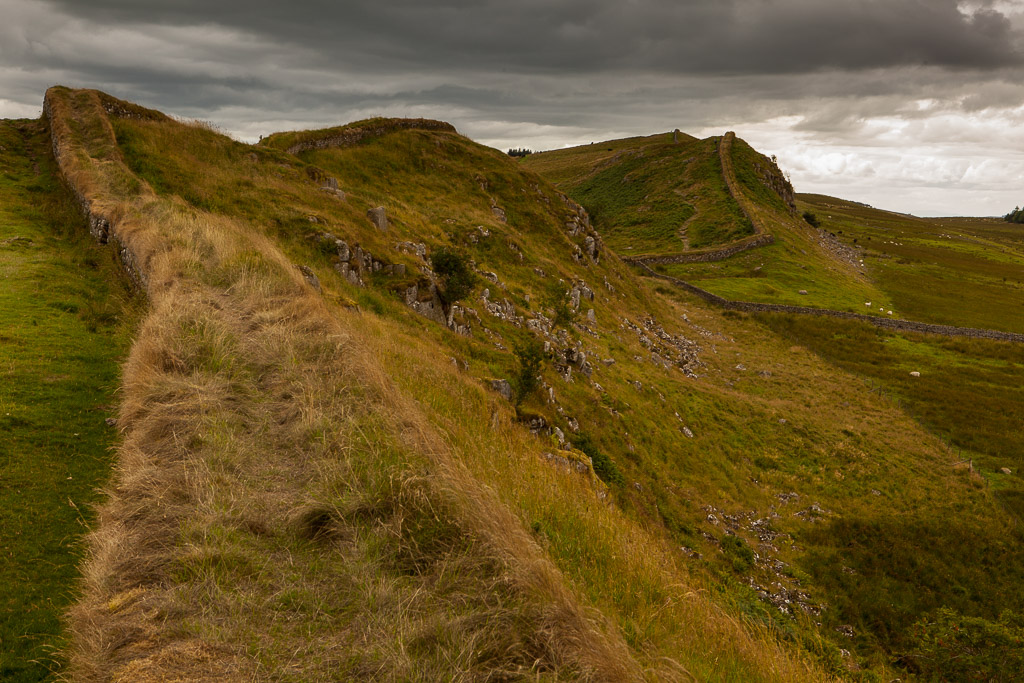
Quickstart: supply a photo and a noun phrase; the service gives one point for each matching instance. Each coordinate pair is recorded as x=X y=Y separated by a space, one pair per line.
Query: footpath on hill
x=60 y=302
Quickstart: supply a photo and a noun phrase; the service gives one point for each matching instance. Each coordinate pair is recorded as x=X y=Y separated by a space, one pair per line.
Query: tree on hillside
x=1015 y=216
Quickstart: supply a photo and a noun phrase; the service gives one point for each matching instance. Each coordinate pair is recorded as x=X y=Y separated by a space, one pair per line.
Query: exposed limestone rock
x=503 y=388
x=423 y=298
x=379 y=218
x=310 y=277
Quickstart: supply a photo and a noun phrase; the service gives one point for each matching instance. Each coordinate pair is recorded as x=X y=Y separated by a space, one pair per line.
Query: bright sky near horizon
x=909 y=105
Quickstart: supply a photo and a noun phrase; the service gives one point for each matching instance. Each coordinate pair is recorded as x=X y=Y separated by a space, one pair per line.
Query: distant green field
x=954 y=271
x=62 y=333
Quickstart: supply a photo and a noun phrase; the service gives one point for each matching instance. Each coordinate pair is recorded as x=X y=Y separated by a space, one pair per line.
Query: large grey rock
x=379 y=218
x=503 y=387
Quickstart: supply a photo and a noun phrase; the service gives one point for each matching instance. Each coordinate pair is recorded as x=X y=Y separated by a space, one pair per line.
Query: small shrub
x=529 y=358
x=812 y=219
x=739 y=552
x=604 y=466
x=457 y=279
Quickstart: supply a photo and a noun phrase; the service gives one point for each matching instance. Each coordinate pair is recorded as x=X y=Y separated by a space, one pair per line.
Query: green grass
x=645 y=194
x=954 y=271
x=63 y=331
x=970 y=395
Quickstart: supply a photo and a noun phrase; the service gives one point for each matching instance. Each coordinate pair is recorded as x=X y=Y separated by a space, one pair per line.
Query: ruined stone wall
x=101 y=227
x=719 y=254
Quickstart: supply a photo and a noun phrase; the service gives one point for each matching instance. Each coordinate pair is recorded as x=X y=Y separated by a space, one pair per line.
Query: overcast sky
x=910 y=105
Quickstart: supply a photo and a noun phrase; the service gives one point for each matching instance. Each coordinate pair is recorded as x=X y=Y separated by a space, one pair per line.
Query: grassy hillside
x=650 y=197
x=63 y=326
x=313 y=422
x=967 y=270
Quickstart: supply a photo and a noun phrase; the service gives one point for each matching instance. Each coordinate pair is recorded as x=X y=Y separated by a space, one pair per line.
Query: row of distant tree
x=1015 y=216
x=520 y=152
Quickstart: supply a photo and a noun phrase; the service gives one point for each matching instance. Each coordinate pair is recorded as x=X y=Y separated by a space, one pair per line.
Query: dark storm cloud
x=700 y=36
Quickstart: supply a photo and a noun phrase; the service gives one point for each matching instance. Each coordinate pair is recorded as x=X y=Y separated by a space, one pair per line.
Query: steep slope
x=317 y=418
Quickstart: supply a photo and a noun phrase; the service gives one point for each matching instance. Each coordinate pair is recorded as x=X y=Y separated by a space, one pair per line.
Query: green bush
x=604 y=466
x=812 y=219
x=457 y=279
x=529 y=358
x=739 y=552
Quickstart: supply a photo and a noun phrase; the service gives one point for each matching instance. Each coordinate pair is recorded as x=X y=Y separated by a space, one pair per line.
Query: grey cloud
x=539 y=36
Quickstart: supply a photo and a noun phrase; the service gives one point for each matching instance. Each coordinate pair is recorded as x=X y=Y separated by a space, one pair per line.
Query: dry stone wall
x=101 y=227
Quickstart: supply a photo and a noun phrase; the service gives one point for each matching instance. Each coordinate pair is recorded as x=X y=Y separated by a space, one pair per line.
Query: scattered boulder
x=503 y=387
x=688 y=432
x=379 y=218
x=310 y=277
x=803 y=291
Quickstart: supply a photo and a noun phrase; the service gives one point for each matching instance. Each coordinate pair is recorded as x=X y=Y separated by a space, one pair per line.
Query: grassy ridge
x=64 y=329
x=653 y=197
x=649 y=195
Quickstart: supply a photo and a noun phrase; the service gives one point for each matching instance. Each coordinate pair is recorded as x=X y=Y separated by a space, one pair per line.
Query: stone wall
x=888 y=323
x=719 y=254
x=101 y=227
